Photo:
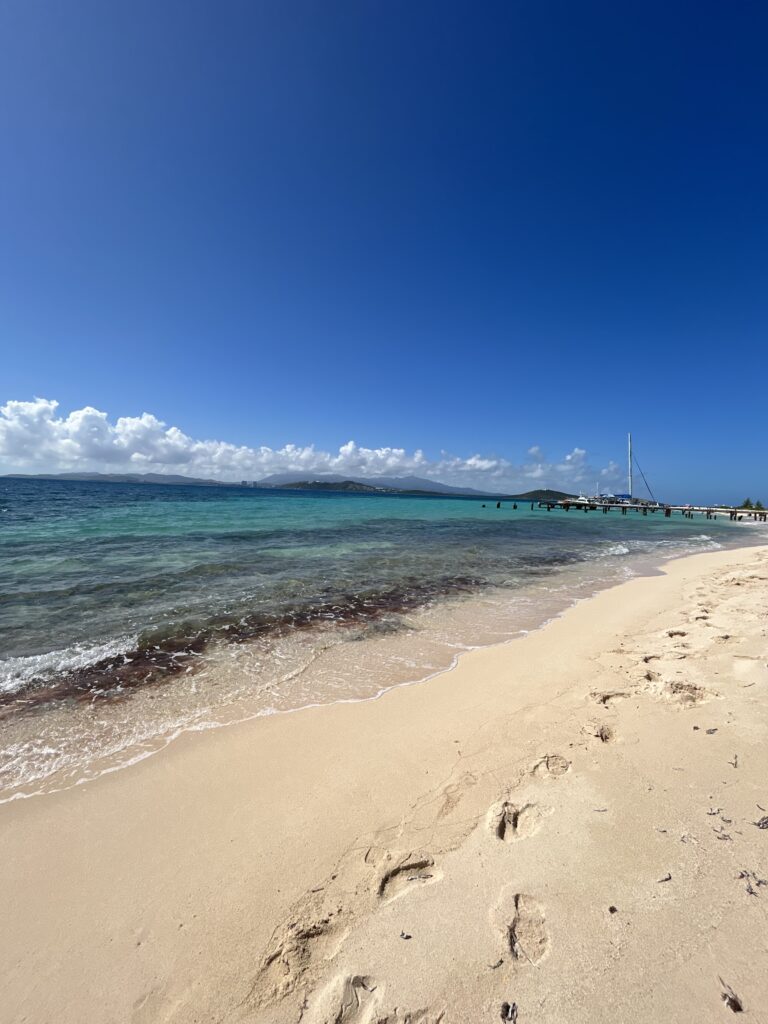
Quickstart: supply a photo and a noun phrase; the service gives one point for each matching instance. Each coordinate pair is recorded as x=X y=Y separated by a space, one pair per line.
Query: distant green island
x=375 y=485
x=356 y=487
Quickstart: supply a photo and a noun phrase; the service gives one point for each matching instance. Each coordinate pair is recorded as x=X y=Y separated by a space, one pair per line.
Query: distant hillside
x=328 y=485
x=118 y=478
x=358 y=487
x=542 y=495
x=287 y=481
x=387 y=483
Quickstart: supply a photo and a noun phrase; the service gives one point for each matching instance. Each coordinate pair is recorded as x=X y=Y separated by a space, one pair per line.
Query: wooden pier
x=625 y=508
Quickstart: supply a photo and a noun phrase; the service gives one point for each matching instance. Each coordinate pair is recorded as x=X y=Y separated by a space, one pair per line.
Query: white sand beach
x=570 y=827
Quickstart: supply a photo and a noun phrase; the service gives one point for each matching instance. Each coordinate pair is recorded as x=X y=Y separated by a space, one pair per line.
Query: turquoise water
x=114 y=593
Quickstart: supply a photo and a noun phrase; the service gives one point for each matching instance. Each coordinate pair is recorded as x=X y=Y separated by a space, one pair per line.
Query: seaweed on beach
x=161 y=656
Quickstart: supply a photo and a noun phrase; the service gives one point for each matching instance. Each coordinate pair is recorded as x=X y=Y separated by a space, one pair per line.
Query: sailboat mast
x=629 y=464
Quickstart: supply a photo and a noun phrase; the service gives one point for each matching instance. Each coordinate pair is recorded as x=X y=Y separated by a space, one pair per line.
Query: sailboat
x=629 y=497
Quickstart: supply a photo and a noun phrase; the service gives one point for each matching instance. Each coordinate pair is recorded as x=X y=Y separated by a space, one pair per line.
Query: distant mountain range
x=288 y=481
x=543 y=494
x=118 y=478
x=358 y=487
x=390 y=483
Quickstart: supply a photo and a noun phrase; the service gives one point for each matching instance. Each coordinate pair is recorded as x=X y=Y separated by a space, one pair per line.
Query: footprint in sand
x=607 y=696
x=295 y=946
x=527 y=934
x=605 y=733
x=552 y=766
x=350 y=999
x=685 y=693
x=509 y=822
x=400 y=1016
x=402 y=872
x=521 y=920
x=453 y=794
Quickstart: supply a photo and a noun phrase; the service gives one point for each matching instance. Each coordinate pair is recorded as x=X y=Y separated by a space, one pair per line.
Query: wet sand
x=563 y=828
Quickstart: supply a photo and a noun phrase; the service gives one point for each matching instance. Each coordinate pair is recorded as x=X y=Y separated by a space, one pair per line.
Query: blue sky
x=460 y=228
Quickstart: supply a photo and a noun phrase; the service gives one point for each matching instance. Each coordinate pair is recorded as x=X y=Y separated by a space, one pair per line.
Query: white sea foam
x=664 y=546
x=16 y=673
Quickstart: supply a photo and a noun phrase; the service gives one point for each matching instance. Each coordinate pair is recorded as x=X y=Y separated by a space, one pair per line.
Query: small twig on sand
x=750 y=877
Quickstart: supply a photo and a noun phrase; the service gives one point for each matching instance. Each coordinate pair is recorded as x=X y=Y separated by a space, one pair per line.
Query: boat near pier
x=626 y=503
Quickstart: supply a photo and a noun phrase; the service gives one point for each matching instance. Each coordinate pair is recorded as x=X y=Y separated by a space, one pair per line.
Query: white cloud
x=35 y=437
x=612 y=471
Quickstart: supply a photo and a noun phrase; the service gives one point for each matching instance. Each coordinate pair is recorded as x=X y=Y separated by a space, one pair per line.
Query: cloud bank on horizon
x=36 y=438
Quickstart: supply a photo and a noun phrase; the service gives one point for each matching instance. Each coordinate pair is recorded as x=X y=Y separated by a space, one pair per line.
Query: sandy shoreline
x=72 y=741
x=375 y=861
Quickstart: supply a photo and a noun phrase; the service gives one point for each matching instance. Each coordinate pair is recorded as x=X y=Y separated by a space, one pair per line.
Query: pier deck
x=624 y=508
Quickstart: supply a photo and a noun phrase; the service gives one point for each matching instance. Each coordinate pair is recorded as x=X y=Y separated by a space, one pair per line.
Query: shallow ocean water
x=129 y=613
